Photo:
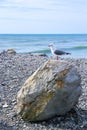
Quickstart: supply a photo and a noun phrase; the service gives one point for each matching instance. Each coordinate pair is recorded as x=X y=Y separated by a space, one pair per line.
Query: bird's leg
x=57 y=57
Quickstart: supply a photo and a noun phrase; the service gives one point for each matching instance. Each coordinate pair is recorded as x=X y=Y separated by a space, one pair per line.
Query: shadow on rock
x=74 y=119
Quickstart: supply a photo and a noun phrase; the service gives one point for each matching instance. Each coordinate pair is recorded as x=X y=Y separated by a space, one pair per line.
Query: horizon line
x=43 y=33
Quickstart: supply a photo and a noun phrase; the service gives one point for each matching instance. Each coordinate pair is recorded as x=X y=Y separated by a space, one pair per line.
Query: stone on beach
x=52 y=90
x=12 y=51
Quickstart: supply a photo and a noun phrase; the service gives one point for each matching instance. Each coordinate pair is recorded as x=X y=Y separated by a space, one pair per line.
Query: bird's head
x=50 y=45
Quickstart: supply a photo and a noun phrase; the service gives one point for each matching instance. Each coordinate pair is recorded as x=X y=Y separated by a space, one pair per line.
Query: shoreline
x=14 y=70
x=44 y=55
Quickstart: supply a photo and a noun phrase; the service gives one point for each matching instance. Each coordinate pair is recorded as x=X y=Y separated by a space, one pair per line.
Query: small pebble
x=5 y=105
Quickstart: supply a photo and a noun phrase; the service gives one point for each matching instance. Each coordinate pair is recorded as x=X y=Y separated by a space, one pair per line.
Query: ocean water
x=76 y=44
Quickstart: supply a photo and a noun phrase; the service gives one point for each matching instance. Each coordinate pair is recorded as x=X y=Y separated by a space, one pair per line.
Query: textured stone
x=10 y=50
x=52 y=90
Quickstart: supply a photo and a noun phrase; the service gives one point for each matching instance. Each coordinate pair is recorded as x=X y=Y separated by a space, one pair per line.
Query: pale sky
x=43 y=16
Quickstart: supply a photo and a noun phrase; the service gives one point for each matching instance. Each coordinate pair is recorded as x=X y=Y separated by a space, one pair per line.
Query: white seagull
x=57 y=52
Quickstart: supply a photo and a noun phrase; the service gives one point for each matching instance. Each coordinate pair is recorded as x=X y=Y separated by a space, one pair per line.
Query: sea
x=76 y=44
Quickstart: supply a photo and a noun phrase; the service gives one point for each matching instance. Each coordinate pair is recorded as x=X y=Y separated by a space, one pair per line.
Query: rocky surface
x=11 y=51
x=51 y=91
x=14 y=70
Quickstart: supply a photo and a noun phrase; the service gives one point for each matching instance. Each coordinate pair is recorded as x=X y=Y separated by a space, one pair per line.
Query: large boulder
x=52 y=90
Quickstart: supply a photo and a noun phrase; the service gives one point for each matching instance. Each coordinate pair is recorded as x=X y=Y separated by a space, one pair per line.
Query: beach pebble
x=5 y=105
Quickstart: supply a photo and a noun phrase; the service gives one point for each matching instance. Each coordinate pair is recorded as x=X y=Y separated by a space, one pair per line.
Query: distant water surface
x=76 y=44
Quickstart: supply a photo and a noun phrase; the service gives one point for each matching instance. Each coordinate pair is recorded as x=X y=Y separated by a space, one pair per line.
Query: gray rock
x=52 y=90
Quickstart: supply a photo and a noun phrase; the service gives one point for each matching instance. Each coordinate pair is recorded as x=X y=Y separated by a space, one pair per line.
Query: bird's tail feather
x=68 y=53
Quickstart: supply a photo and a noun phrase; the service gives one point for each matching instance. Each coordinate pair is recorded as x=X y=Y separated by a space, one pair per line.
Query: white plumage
x=57 y=52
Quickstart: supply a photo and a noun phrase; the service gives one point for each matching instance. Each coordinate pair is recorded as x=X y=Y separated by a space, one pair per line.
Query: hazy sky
x=43 y=16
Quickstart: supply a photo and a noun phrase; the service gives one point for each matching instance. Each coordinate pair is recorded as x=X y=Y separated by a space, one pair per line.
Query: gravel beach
x=14 y=70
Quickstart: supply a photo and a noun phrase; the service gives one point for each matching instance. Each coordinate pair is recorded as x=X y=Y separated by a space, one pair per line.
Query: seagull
x=57 y=52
